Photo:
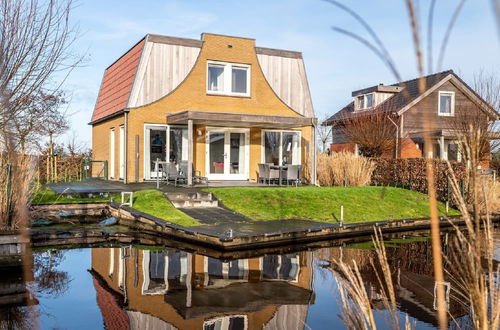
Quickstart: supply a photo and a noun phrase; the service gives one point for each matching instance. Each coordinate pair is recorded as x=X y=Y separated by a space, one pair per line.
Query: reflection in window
x=226 y=323
x=290 y=147
x=284 y=267
x=177 y=135
x=282 y=147
x=446 y=103
x=156 y=270
x=157 y=143
x=216 y=140
x=272 y=147
x=369 y=100
x=239 y=80
x=216 y=78
x=453 y=152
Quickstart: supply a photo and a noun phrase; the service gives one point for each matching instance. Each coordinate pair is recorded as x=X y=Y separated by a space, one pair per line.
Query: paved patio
x=104 y=186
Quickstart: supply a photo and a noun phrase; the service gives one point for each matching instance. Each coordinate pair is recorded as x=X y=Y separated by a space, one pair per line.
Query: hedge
x=410 y=174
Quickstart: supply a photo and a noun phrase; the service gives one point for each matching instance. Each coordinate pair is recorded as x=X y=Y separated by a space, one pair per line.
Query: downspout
x=125 y=147
x=314 y=174
x=397 y=135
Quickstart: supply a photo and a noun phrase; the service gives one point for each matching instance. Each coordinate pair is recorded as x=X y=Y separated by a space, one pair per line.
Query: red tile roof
x=117 y=83
x=113 y=315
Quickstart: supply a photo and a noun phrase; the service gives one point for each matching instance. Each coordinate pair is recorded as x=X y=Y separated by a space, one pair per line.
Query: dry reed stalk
x=428 y=127
x=472 y=263
x=356 y=305
x=344 y=169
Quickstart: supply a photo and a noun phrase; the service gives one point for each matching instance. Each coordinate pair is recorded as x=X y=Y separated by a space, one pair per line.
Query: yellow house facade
x=220 y=103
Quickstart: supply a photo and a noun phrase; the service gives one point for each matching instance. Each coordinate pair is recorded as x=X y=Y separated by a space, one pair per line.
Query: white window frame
x=227 y=76
x=146 y=144
x=364 y=97
x=452 y=108
x=263 y=146
x=224 y=321
x=122 y=152
x=112 y=148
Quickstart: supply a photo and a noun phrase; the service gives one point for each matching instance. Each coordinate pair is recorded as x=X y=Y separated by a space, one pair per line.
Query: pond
x=117 y=286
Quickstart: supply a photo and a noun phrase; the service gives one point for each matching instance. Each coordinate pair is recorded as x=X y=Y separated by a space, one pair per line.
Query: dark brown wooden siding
x=427 y=109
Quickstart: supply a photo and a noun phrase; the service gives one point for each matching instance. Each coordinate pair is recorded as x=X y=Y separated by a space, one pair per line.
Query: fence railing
x=97 y=169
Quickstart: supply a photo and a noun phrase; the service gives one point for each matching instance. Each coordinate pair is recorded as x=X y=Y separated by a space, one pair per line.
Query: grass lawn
x=155 y=203
x=47 y=196
x=323 y=203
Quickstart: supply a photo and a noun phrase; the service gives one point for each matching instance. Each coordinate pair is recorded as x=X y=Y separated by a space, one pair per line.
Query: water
x=145 y=287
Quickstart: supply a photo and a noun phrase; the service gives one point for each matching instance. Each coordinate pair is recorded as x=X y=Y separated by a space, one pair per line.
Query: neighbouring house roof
x=409 y=93
x=126 y=82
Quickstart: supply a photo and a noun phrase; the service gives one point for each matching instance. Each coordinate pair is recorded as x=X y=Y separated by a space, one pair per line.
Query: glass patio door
x=165 y=143
x=227 y=154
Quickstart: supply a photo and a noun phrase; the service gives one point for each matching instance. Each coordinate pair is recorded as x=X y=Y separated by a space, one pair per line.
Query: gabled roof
x=125 y=83
x=117 y=83
x=394 y=104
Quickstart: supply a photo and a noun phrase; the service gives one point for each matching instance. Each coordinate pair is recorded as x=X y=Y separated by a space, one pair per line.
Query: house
x=173 y=289
x=414 y=111
x=220 y=103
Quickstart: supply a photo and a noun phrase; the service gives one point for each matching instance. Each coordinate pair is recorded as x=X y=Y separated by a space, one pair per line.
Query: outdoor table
x=157 y=170
x=280 y=168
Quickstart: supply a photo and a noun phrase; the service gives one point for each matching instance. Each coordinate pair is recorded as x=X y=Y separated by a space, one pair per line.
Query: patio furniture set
x=176 y=173
x=276 y=174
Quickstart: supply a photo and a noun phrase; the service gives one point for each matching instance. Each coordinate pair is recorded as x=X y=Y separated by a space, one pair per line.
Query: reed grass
x=344 y=169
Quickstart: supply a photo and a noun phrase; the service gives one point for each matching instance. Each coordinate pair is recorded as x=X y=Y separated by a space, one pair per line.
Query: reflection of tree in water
x=17 y=317
x=48 y=279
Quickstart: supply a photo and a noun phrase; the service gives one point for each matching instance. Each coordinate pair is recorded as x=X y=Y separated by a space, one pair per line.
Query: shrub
x=16 y=176
x=411 y=174
x=344 y=169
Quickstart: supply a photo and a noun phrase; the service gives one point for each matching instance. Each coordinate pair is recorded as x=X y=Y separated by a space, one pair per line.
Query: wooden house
x=415 y=111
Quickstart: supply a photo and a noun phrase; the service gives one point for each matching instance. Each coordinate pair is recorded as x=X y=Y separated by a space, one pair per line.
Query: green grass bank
x=323 y=203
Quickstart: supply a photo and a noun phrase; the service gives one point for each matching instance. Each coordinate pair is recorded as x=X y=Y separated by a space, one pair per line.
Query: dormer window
x=228 y=78
x=446 y=105
x=365 y=101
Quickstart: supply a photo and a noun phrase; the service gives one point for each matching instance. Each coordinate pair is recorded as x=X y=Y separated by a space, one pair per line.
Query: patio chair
x=293 y=174
x=171 y=173
x=274 y=174
x=264 y=172
x=197 y=177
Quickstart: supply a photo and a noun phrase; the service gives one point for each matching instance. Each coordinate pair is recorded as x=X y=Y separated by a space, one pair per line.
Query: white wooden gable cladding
x=162 y=68
x=287 y=77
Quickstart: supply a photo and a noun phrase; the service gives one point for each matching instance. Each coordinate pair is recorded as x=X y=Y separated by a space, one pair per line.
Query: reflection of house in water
x=411 y=264
x=171 y=289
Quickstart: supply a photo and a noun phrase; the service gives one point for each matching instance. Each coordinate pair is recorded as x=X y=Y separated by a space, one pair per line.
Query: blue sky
x=336 y=64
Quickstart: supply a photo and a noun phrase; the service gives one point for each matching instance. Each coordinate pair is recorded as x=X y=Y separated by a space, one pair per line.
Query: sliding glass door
x=164 y=143
x=227 y=154
x=281 y=147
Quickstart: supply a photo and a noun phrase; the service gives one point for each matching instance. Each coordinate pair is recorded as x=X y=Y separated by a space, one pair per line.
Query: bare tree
x=374 y=133
x=324 y=134
x=36 y=118
x=35 y=41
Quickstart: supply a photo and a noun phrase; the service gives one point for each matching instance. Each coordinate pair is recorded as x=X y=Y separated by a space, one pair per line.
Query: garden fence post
x=106 y=170
x=462 y=188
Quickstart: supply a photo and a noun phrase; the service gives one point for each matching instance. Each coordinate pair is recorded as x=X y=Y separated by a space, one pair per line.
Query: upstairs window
x=365 y=101
x=228 y=79
x=446 y=106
